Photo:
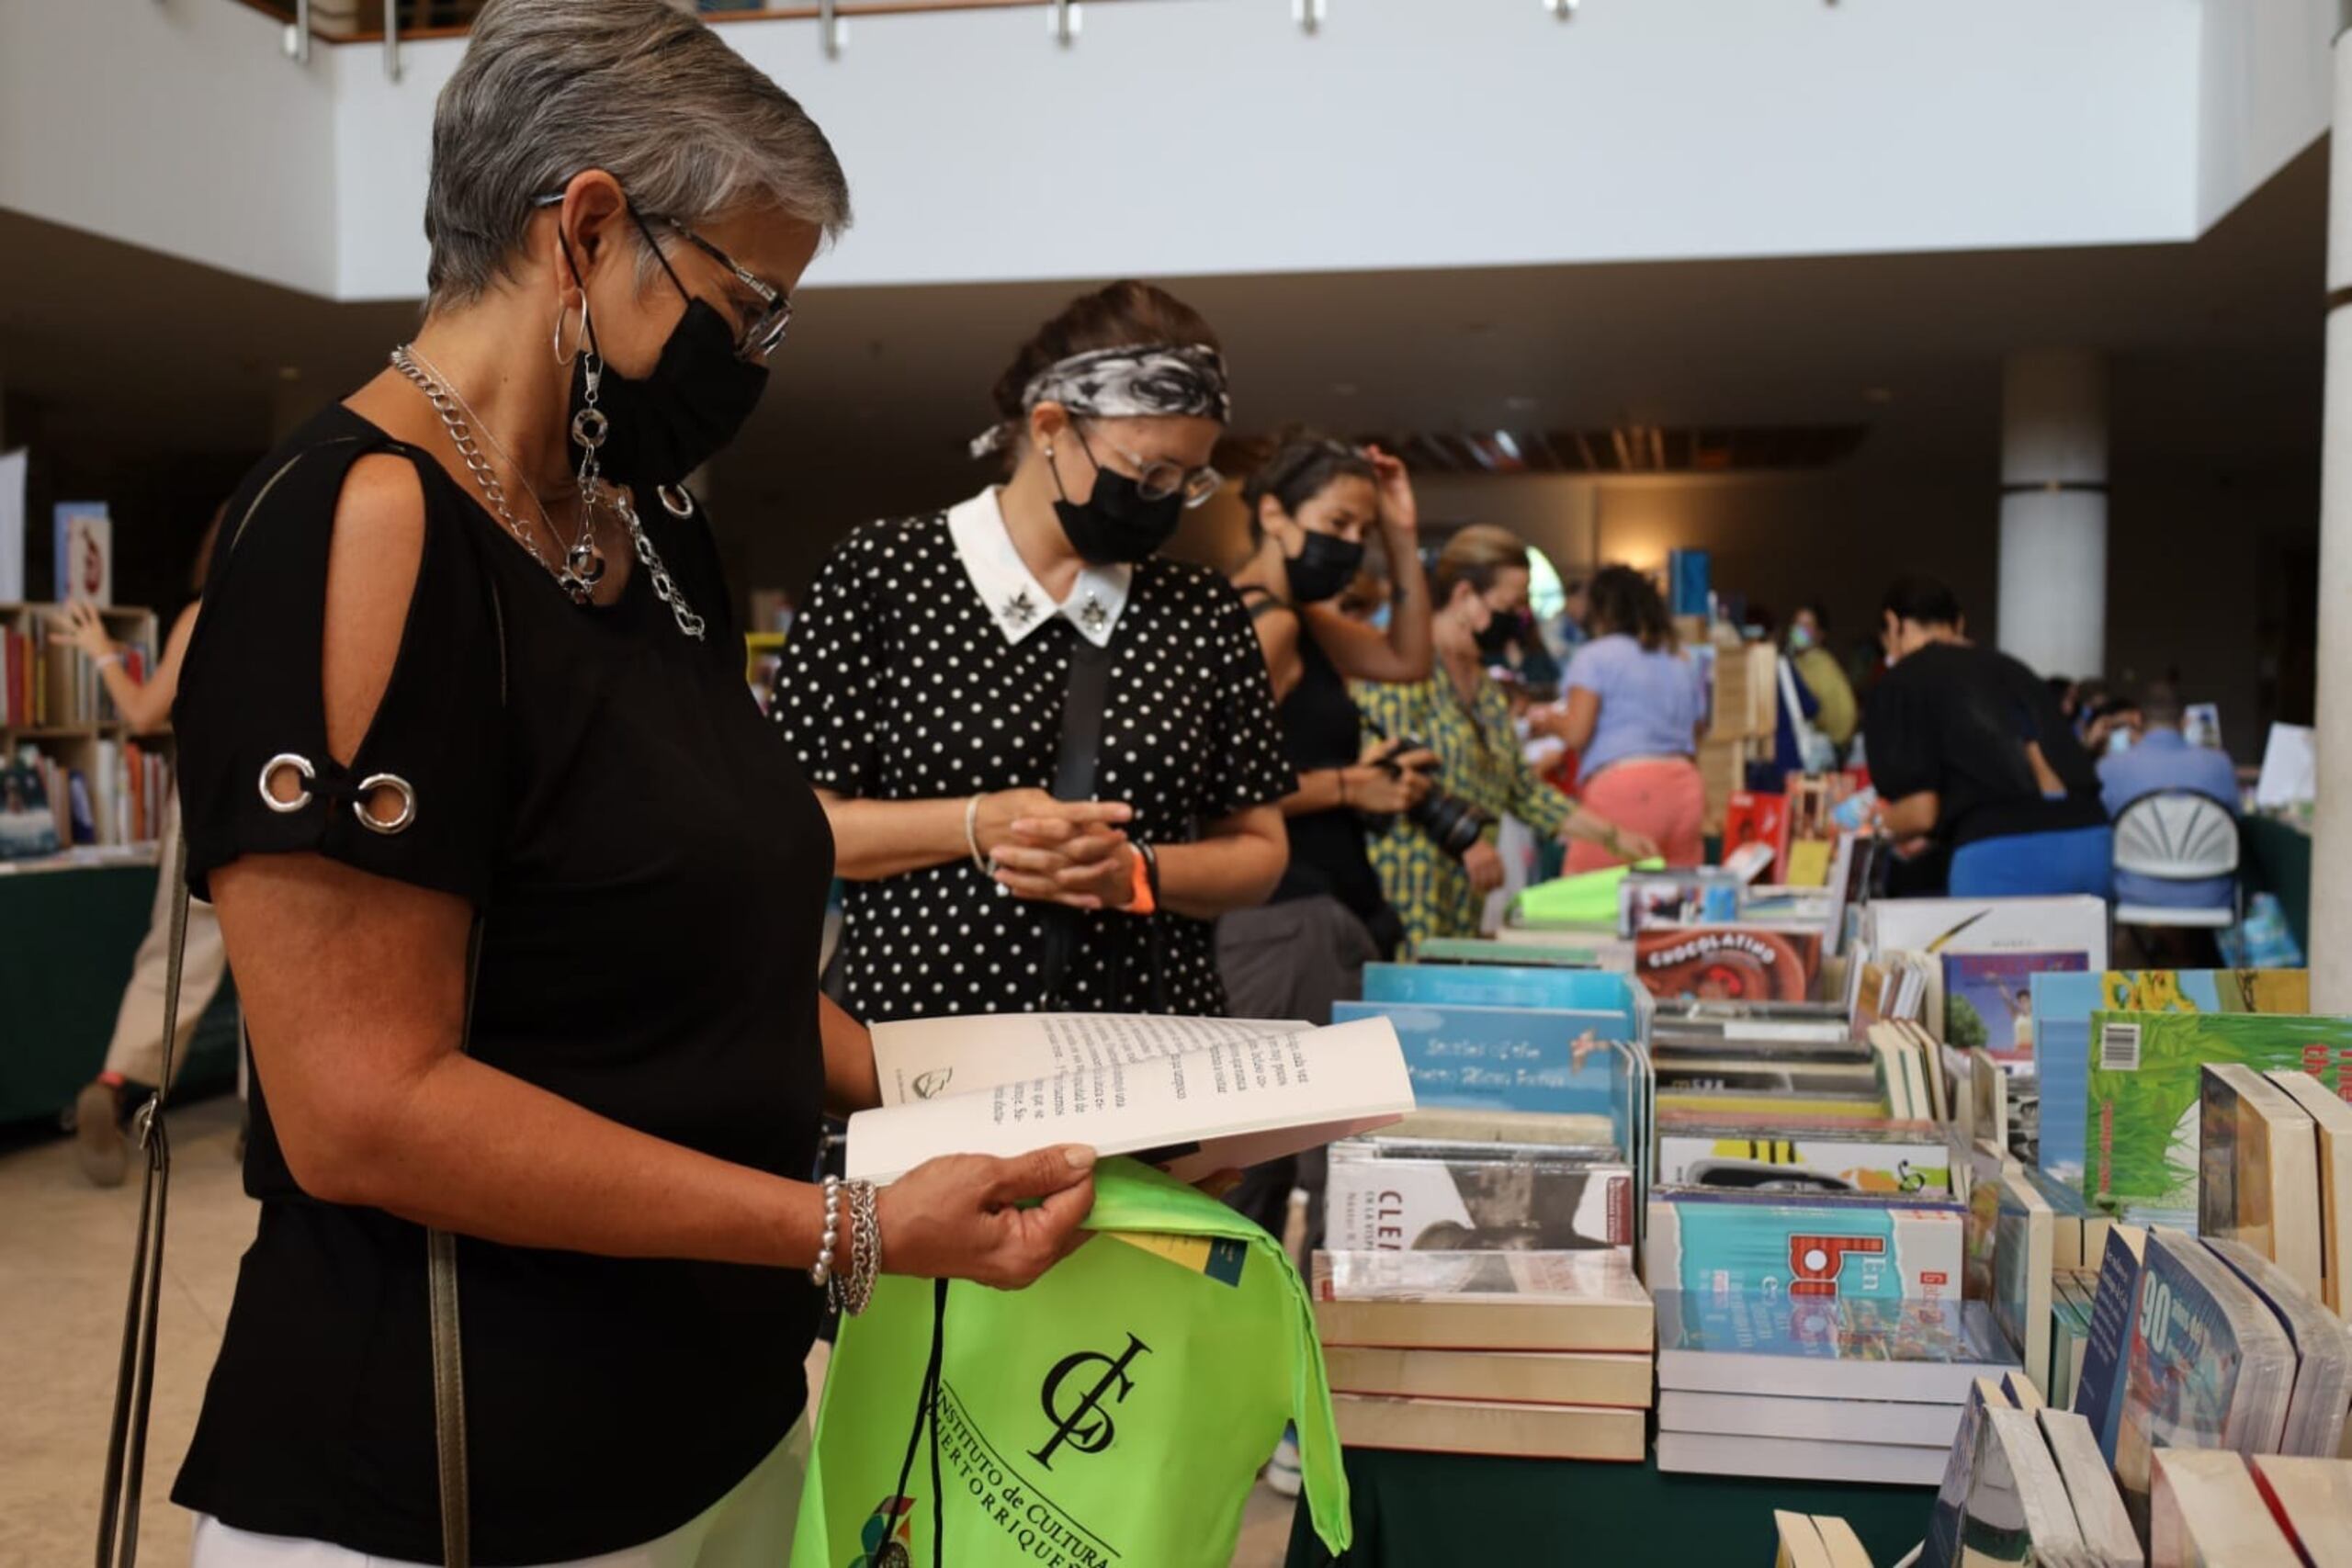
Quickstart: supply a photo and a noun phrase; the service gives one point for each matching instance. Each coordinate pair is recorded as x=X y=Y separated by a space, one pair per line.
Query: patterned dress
x=1480 y=762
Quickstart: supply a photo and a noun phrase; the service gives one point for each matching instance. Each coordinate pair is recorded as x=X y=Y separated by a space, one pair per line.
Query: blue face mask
x=2118 y=742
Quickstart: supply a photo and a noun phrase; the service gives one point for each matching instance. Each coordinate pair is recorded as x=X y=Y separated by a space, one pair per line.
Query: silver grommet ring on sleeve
x=676 y=501
x=397 y=785
x=302 y=765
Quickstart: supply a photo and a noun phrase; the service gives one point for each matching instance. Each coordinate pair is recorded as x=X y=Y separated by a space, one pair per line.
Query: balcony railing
x=389 y=22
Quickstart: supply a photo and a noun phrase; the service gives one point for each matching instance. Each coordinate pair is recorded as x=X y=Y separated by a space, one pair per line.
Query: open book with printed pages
x=1194 y=1095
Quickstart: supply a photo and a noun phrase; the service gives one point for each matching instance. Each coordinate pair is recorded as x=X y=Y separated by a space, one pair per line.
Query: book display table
x=66 y=941
x=1413 y=1509
x=2276 y=857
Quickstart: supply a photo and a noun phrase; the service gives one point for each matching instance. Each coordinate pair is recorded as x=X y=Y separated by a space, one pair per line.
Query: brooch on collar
x=1019 y=610
x=1094 y=614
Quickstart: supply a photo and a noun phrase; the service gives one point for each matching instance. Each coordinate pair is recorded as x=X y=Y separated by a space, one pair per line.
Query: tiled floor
x=65 y=1262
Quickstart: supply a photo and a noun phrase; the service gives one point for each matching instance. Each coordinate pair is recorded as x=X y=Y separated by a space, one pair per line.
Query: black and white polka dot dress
x=900 y=682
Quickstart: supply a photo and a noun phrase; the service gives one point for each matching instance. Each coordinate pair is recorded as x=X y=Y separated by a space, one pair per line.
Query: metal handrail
x=1061 y=17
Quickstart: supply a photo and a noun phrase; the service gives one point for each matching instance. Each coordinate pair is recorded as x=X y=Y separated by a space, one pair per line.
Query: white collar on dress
x=1012 y=596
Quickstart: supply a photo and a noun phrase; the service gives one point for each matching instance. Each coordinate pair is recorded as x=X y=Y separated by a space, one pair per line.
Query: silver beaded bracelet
x=821 y=1272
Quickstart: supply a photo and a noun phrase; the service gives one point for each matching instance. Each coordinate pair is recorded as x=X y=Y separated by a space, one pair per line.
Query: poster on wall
x=84 y=552
x=13 y=467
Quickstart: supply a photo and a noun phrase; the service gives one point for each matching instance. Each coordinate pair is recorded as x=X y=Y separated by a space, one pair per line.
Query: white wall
x=2263 y=94
x=180 y=127
x=1211 y=136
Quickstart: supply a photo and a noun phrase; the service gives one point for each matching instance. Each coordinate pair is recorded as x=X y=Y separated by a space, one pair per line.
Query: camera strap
x=1075 y=764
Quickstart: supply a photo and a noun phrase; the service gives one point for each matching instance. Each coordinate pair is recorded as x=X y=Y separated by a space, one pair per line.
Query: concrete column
x=2331 y=930
x=2052 y=612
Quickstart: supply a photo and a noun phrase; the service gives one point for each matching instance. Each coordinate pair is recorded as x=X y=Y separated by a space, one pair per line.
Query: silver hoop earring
x=555 y=340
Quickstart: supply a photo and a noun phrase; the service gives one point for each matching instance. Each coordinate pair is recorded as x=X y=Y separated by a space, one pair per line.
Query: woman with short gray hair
x=522 y=895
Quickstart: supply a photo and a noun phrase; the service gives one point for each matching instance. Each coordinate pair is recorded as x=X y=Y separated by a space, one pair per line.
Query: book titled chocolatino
x=1727 y=964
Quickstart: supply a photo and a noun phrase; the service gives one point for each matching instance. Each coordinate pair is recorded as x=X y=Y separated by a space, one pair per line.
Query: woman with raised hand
x=522 y=895
x=1048 y=752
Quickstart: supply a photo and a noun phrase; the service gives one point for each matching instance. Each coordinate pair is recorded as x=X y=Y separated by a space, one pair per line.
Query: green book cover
x=2141 y=1131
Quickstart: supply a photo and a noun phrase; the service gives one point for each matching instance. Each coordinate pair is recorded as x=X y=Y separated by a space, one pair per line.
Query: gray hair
x=646 y=93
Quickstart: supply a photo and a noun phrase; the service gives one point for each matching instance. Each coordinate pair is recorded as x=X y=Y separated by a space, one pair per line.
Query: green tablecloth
x=1414 y=1510
x=2276 y=857
x=66 y=941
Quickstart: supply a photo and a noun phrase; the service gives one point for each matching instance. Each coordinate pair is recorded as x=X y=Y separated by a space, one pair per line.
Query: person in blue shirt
x=2161 y=758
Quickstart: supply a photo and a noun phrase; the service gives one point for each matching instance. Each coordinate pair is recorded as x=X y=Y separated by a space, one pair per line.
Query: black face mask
x=1500 y=632
x=1326 y=564
x=1117 y=524
x=662 y=428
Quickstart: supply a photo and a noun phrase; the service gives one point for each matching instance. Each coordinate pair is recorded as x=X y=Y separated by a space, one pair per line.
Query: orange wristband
x=1139 y=898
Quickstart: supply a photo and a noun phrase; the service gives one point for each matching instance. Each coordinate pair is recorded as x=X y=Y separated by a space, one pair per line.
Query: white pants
x=749 y=1527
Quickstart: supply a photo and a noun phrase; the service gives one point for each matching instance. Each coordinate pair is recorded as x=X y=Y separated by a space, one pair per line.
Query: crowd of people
x=523 y=898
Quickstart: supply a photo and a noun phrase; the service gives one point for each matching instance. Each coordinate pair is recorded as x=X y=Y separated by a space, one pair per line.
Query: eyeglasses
x=1156 y=480
x=768 y=322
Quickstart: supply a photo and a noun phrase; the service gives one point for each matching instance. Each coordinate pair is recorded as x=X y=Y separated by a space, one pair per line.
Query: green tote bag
x=1114 y=1412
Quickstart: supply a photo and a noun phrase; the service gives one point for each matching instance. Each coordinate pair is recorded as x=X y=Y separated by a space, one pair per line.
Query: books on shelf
x=2310 y=1501
x=1535 y=1377
x=1826 y=1346
x=2063 y=1006
x=1938 y=926
x=2205 y=1508
x=32 y=815
x=1195 y=1095
x=1708 y=1453
x=2017 y=1510
x=1383 y=1201
x=1808 y=1245
x=2206 y=1364
x=1482 y=1301
x=82 y=561
x=2022 y=1224
x=2258 y=1170
x=1916 y=1423
x=1499 y=984
x=1489 y=1427
x=2073 y=1295
x=1557 y=1134
x=1874 y=1156
x=2332 y=1135
x=2141 y=1128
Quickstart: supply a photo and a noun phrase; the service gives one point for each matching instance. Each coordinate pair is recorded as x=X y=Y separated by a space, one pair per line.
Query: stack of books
x=1884 y=1247
x=1831 y=1388
x=1817 y=1540
x=1389 y=1194
x=1539 y=1354
x=1775 y=1152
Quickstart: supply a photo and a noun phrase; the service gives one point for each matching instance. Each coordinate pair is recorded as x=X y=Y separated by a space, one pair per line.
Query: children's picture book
x=1988 y=1000
x=1374 y=1203
x=1826 y=1346
x=2141 y=1124
x=1894 y=1157
x=84 y=558
x=1195 y=1096
x=1938 y=926
x=2063 y=1005
x=1727 y=964
x=1501 y=984
x=2207 y=1366
x=2258 y=1170
x=1881 y=1245
x=1505 y=1058
x=1753 y=819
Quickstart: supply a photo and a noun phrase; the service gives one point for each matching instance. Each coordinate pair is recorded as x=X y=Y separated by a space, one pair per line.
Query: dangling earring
x=562 y=311
x=584 y=563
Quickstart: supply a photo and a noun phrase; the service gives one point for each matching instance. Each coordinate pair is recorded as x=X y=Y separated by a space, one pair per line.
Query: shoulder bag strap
x=448 y=1348
x=1074 y=770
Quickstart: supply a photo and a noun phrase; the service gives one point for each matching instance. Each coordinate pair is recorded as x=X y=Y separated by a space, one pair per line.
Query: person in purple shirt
x=2162 y=759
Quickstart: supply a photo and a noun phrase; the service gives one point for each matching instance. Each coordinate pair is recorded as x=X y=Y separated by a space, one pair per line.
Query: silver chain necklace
x=584 y=565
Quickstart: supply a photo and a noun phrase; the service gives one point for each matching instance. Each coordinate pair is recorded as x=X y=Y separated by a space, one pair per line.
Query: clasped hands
x=1072 y=853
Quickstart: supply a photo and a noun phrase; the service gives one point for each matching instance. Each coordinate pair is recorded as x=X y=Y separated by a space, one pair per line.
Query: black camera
x=1452 y=823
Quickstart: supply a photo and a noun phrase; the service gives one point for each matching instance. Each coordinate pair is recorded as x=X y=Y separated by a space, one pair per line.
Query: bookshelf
x=57 y=724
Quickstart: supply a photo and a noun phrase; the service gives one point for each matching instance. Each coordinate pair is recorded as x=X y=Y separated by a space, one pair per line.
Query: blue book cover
x=2096 y=1394
x=1501 y=1058
x=1883 y=1246
x=2063 y=1005
x=1691 y=575
x=1826 y=1347
x=1497 y=985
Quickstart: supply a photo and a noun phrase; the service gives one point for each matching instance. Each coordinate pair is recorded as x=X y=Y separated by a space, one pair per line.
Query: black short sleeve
x=1899 y=737
x=250 y=706
x=1252 y=768
x=829 y=690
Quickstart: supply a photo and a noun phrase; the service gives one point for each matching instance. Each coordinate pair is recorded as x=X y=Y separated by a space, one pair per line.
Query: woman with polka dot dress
x=1048 y=755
